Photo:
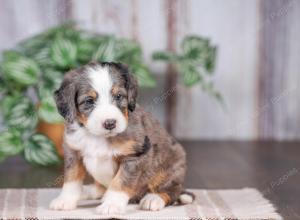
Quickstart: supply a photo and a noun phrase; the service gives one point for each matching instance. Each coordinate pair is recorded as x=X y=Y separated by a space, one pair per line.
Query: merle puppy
x=107 y=135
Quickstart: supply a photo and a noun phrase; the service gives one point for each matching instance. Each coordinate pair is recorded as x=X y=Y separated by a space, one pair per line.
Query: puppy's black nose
x=109 y=124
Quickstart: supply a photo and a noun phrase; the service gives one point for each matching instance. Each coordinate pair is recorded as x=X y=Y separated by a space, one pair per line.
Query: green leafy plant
x=34 y=69
x=31 y=72
x=195 y=62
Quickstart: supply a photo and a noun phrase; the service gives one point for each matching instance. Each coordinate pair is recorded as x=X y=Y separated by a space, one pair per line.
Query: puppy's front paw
x=107 y=208
x=63 y=203
x=114 y=202
x=152 y=202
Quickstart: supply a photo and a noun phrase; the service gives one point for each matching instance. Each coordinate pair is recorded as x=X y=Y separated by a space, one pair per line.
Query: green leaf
x=8 y=102
x=10 y=142
x=43 y=57
x=190 y=75
x=41 y=151
x=30 y=47
x=21 y=70
x=3 y=88
x=86 y=49
x=106 y=50
x=52 y=80
x=210 y=61
x=143 y=75
x=164 y=56
x=128 y=51
x=22 y=114
x=48 y=111
x=11 y=55
x=64 y=53
x=194 y=44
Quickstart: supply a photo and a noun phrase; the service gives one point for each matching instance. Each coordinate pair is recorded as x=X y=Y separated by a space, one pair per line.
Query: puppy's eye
x=89 y=101
x=119 y=97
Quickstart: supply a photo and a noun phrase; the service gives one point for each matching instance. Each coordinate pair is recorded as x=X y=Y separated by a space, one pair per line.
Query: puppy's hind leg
x=153 y=202
x=161 y=197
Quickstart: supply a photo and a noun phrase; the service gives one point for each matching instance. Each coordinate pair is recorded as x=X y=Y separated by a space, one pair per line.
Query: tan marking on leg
x=117 y=185
x=76 y=172
x=165 y=197
x=156 y=180
x=99 y=185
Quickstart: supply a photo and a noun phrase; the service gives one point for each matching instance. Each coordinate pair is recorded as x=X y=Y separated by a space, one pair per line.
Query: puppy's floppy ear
x=132 y=92
x=131 y=85
x=65 y=99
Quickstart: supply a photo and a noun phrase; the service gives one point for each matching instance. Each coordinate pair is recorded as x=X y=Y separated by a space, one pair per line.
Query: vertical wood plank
x=22 y=19
x=134 y=20
x=279 y=70
x=171 y=73
x=109 y=17
x=233 y=27
x=151 y=30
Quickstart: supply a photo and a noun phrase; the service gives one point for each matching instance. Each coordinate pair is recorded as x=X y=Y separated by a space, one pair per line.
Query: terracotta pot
x=54 y=132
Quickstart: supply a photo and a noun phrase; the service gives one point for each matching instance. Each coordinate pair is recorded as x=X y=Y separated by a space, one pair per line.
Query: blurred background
x=257 y=63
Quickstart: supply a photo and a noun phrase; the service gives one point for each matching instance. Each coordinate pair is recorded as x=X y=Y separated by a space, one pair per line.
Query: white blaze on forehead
x=104 y=107
x=102 y=83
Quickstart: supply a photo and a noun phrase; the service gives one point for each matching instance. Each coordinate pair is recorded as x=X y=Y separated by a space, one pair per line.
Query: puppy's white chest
x=98 y=155
x=103 y=169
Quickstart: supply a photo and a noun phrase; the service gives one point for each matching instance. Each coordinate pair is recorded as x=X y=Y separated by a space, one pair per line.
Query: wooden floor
x=273 y=168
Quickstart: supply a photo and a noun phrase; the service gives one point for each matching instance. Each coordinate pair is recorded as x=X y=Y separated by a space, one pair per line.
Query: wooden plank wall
x=279 y=70
x=258 y=61
x=21 y=19
x=233 y=27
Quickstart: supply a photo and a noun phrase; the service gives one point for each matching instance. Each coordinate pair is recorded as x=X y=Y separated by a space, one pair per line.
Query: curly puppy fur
x=129 y=155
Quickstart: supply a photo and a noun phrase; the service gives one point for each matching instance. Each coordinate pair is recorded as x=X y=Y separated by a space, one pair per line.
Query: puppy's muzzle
x=109 y=124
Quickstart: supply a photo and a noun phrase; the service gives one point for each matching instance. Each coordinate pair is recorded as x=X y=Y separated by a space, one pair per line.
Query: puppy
x=107 y=135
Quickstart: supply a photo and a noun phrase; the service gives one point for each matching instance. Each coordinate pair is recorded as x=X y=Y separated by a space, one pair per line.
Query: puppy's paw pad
x=62 y=203
x=152 y=202
x=110 y=208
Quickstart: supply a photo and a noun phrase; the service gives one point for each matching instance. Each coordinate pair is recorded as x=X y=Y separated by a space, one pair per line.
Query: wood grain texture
x=22 y=19
x=279 y=70
x=171 y=72
x=232 y=25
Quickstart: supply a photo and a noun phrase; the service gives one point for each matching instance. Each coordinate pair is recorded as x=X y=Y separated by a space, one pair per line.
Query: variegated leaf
x=190 y=74
x=64 y=53
x=143 y=75
x=106 y=50
x=10 y=142
x=22 y=115
x=48 y=110
x=21 y=70
x=40 y=150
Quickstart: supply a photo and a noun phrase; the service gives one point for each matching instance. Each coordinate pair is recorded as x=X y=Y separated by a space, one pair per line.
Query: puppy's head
x=98 y=97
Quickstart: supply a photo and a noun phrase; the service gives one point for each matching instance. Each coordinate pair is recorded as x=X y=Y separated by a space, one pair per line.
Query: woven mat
x=209 y=204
